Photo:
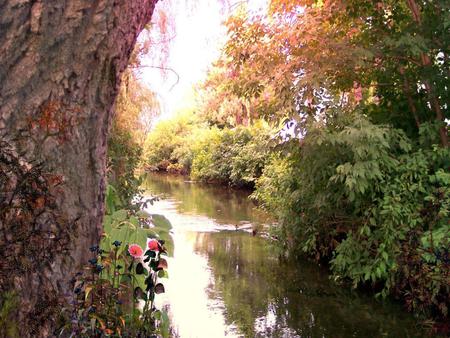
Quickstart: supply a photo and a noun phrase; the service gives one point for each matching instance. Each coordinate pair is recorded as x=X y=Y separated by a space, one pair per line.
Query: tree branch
x=161 y=68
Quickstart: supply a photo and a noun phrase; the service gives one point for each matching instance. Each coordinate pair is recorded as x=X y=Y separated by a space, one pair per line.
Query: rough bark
x=60 y=66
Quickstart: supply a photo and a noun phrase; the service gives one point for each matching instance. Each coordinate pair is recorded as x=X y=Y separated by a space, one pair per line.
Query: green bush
x=360 y=194
x=227 y=156
x=211 y=156
x=232 y=156
x=124 y=157
x=250 y=158
x=169 y=142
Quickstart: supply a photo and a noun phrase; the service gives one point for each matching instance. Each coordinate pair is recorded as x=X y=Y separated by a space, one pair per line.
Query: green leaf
x=143 y=214
x=156 y=315
x=163 y=274
x=119 y=216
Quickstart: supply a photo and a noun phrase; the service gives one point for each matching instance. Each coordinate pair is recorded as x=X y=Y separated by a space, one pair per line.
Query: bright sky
x=199 y=37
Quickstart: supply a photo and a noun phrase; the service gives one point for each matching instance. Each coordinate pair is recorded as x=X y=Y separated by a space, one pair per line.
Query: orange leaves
x=285 y=6
x=299 y=45
x=39 y=202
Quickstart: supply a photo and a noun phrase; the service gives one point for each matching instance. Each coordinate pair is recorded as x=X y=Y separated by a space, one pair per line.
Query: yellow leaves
x=101 y=322
x=122 y=321
x=87 y=291
x=136 y=106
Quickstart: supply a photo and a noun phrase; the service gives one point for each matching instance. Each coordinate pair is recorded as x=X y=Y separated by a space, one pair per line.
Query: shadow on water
x=229 y=283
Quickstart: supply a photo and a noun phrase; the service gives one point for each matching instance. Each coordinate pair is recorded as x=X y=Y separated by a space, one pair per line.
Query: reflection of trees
x=270 y=299
x=227 y=206
x=243 y=282
x=264 y=297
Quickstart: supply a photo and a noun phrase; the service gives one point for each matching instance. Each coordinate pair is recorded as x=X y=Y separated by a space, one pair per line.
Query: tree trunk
x=60 y=67
x=426 y=62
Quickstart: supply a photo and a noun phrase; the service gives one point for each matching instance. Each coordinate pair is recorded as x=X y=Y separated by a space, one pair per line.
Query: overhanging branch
x=162 y=68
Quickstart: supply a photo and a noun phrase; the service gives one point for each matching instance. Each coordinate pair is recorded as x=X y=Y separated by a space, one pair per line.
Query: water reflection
x=229 y=283
x=264 y=297
x=223 y=205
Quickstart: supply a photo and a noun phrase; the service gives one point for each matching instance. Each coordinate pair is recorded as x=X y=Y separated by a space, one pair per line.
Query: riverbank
x=275 y=298
x=187 y=176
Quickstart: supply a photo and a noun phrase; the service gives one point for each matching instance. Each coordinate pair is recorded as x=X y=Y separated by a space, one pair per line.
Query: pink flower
x=135 y=250
x=153 y=245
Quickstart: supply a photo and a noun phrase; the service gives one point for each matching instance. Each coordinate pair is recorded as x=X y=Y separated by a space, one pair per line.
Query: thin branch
x=232 y=7
x=169 y=39
x=162 y=68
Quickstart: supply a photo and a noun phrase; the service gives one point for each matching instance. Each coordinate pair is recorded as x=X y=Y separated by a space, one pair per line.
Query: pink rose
x=135 y=250
x=153 y=245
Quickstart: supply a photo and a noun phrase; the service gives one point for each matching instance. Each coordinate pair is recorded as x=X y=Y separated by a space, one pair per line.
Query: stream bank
x=228 y=283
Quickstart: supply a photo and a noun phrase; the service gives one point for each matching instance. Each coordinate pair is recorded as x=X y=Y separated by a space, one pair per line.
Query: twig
x=162 y=68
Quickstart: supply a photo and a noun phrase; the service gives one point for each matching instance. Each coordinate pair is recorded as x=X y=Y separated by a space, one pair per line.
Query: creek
x=224 y=282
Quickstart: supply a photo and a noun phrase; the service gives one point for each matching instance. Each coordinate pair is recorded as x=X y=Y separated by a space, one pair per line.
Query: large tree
x=60 y=67
x=392 y=56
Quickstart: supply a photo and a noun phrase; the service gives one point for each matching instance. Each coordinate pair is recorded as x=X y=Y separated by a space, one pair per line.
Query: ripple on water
x=226 y=283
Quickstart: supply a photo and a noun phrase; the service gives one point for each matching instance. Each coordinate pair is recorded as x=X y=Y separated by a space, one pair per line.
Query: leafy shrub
x=232 y=156
x=361 y=195
x=249 y=158
x=212 y=155
x=185 y=145
x=124 y=157
x=114 y=295
x=168 y=143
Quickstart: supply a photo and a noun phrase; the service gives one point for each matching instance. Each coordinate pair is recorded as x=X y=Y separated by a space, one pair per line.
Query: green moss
x=8 y=307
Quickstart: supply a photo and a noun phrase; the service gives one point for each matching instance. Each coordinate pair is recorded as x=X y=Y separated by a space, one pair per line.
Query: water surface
x=228 y=283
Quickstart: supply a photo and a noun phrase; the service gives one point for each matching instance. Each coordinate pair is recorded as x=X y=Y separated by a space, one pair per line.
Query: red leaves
x=162 y=264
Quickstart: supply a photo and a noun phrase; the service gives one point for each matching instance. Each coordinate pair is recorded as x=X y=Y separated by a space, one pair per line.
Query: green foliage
x=235 y=156
x=124 y=156
x=109 y=296
x=229 y=156
x=9 y=304
x=132 y=225
x=168 y=143
x=136 y=106
x=357 y=193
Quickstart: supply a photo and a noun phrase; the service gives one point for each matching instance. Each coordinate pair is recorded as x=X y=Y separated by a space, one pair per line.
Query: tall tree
x=390 y=57
x=60 y=70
